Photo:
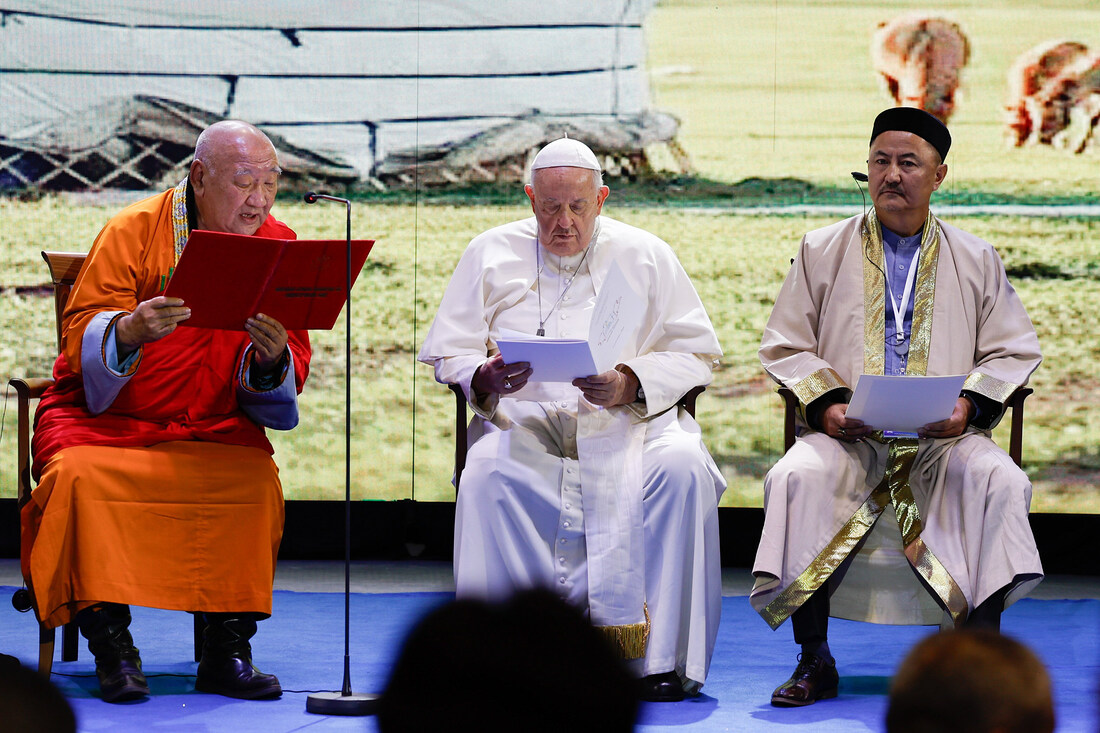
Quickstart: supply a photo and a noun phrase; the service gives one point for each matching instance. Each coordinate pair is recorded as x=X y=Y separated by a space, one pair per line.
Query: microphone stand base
x=337 y=703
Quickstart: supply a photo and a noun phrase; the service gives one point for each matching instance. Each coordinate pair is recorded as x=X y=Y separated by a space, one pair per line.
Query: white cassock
x=613 y=508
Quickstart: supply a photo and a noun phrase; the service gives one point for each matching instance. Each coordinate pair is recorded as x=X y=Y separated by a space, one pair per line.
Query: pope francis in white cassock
x=601 y=488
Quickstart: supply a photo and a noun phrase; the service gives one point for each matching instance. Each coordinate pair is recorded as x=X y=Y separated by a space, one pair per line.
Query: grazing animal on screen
x=920 y=58
x=1054 y=96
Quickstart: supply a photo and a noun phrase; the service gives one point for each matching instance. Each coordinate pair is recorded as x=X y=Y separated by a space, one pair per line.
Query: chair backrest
x=64 y=267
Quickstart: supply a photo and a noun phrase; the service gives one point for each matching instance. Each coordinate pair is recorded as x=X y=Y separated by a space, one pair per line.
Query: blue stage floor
x=303 y=644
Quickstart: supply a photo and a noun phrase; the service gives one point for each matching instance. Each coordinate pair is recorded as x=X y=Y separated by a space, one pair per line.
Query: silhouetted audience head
x=532 y=663
x=30 y=702
x=970 y=681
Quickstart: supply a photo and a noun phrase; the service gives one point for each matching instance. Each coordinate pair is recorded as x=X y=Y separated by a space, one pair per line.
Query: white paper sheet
x=901 y=405
x=615 y=318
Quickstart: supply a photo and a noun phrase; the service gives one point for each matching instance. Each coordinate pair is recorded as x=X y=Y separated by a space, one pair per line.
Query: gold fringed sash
x=629 y=639
x=903 y=451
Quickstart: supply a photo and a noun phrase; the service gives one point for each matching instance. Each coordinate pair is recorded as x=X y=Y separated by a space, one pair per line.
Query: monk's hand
x=610 y=388
x=836 y=424
x=952 y=426
x=269 y=340
x=496 y=377
x=152 y=320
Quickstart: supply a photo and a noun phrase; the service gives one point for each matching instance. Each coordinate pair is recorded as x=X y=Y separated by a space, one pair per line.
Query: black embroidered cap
x=916 y=121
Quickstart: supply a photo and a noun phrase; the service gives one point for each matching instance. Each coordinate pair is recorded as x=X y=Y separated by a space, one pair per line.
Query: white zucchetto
x=566 y=153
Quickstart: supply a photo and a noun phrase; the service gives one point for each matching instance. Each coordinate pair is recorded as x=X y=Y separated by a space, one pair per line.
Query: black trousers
x=811 y=620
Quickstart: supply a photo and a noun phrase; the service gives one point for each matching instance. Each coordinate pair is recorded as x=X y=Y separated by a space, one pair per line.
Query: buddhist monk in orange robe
x=156 y=480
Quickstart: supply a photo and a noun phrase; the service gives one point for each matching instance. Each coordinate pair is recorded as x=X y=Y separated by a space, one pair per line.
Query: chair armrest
x=688 y=400
x=790 y=412
x=30 y=388
x=460 y=433
x=1016 y=436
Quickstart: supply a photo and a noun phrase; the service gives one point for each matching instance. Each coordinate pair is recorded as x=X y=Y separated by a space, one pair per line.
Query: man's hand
x=610 y=388
x=268 y=340
x=152 y=320
x=952 y=426
x=836 y=424
x=496 y=377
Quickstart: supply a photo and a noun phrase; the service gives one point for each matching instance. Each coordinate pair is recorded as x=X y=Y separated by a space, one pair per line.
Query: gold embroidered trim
x=991 y=387
x=937 y=577
x=903 y=452
x=629 y=639
x=823 y=380
x=791 y=598
x=874 y=297
x=179 y=218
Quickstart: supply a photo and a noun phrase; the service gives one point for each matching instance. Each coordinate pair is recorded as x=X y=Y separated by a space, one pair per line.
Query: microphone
x=855 y=174
x=344 y=702
x=312 y=197
x=858 y=177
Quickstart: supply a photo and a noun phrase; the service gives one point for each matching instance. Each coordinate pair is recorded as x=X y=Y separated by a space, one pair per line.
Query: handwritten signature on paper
x=610 y=325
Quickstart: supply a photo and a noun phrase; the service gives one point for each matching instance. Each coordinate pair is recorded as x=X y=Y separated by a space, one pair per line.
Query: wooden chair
x=687 y=402
x=1015 y=403
x=64 y=267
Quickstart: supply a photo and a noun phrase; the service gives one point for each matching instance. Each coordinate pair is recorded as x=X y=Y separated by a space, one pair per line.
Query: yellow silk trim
x=949 y=593
x=894 y=488
x=629 y=639
x=823 y=380
x=874 y=297
x=991 y=387
x=179 y=218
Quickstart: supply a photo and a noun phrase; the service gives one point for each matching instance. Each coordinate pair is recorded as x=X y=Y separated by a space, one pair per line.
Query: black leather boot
x=226 y=666
x=106 y=626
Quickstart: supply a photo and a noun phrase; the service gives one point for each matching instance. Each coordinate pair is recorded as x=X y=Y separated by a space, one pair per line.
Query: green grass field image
x=775 y=102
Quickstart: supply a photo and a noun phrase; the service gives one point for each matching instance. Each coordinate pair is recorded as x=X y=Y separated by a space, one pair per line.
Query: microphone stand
x=344 y=702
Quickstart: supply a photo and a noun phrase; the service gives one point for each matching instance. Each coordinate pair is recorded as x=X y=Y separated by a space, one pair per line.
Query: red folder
x=227 y=278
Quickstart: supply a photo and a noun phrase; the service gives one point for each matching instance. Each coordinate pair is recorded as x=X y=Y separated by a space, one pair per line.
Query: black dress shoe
x=815 y=678
x=663 y=687
x=236 y=677
x=122 y=681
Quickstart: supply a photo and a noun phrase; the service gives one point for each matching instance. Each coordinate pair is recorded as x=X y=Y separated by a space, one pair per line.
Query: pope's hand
x=610 y=388
x=496 y=377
